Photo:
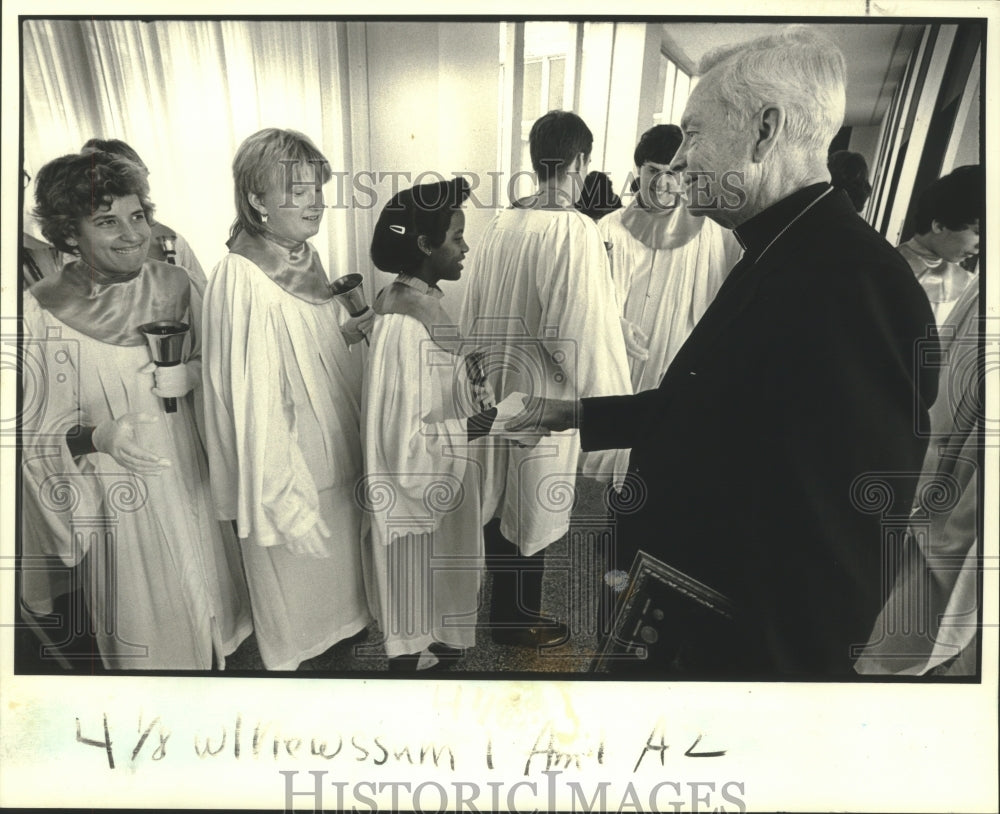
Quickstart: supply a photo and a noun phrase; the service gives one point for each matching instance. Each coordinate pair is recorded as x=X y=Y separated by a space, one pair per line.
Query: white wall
x=432 y=107
x=864 y=140
x=635 y=59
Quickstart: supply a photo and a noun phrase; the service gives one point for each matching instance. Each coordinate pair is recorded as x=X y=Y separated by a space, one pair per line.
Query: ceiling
x=876 y=56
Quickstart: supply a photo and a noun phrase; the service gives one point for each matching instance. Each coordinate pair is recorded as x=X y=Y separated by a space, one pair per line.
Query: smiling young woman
x=165 y=589
x=282 y=397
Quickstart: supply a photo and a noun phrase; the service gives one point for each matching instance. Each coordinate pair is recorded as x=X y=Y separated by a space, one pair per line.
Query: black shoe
x=445 y=653
x=409 y=662
x=545 y=631
x=358 y=638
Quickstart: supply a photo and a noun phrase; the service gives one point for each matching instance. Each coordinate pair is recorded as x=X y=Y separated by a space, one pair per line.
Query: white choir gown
x=422 y=475
x=282 y=409
x=667 y=268
x=161 y=576
x=542 y=296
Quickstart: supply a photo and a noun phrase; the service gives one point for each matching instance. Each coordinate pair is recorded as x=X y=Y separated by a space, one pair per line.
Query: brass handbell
x=166 y=345
x=350 y=293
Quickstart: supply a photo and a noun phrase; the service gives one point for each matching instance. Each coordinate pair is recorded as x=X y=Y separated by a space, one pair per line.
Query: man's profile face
x=715 y=158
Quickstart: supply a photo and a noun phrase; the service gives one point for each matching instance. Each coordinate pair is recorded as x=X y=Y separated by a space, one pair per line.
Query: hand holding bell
x=166 y=346
x=349 y=292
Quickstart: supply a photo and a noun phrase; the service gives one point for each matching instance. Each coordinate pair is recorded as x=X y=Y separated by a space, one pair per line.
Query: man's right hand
x=545 y=416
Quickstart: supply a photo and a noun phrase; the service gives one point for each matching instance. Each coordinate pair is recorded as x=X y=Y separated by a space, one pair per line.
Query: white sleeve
x=55 y=485
x=259 y=476
x=412 y=440
x=577 y=295
x=186 y=259
x=712 y=254
x=621 y=270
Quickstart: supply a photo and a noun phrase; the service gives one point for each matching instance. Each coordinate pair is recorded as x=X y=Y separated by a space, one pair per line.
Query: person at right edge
x=783 y=434
x=947 y=236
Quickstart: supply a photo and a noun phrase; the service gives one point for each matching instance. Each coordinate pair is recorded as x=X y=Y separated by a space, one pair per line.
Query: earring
x=263 y=217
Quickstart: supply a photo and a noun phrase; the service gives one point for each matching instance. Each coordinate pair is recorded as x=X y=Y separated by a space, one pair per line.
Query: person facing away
x=667 y=264
x=783 y=432
x=947 y=234
x=165 y=244
x=849 y=172
x=598 y=198
x=38 y=259
x=542 y=293
x=424 y=406
x=282 y=406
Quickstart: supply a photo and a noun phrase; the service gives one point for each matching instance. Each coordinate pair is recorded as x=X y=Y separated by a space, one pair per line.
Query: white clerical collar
x=420 y=285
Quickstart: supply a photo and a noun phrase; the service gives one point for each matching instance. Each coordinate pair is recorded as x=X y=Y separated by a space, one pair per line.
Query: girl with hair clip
x=282 y=400
x=425 y=403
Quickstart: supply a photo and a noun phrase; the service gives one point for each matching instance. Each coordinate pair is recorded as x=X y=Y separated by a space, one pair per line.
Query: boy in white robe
x=947 y=234
x=667 y=264
x=543 y=297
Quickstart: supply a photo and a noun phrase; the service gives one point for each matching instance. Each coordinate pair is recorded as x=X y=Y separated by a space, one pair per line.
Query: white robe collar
x=661 y=230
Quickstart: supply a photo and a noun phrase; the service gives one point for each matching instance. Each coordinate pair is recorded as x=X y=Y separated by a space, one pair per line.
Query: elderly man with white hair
x=780 y=447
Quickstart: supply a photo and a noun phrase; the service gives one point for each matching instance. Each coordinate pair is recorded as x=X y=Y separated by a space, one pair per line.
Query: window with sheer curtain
x=677 y=86
x=184 y=94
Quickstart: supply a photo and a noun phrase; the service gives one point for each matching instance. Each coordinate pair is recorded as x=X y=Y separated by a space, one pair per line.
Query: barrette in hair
x=399 y=230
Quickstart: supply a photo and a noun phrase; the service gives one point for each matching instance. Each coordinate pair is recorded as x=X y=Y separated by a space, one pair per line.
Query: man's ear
x=937 y=227
x=770 y=127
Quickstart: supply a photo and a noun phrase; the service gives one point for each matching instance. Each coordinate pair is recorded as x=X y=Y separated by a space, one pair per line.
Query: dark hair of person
x=849 y=172
x=598 y=198
x=425 y=210
x=658 y=144
x=956 y=200
x=114 y=146
x=555 y=140
x=73 y=187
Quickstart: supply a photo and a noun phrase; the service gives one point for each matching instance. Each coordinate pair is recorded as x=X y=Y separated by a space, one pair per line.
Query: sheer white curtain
x=184 y=94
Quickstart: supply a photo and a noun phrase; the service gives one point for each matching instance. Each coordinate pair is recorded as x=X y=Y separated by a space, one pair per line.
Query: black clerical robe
x=779 y=455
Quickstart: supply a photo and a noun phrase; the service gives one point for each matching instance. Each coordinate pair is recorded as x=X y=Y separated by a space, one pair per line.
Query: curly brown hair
x=75 y=186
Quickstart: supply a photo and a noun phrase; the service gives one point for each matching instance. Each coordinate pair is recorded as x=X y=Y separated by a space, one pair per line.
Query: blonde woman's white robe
x=162 y=576
x=282 y=408
x=422 y=489
x=542 y=296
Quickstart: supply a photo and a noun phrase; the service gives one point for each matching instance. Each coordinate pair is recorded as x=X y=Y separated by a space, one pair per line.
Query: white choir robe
x=541 y=293
x=930 y=614
x=282 y=411
x=665 y=278
x=162 y=577
x=422 y=480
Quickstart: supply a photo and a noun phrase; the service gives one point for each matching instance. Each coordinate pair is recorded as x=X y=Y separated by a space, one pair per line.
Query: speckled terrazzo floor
x=569 y=594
